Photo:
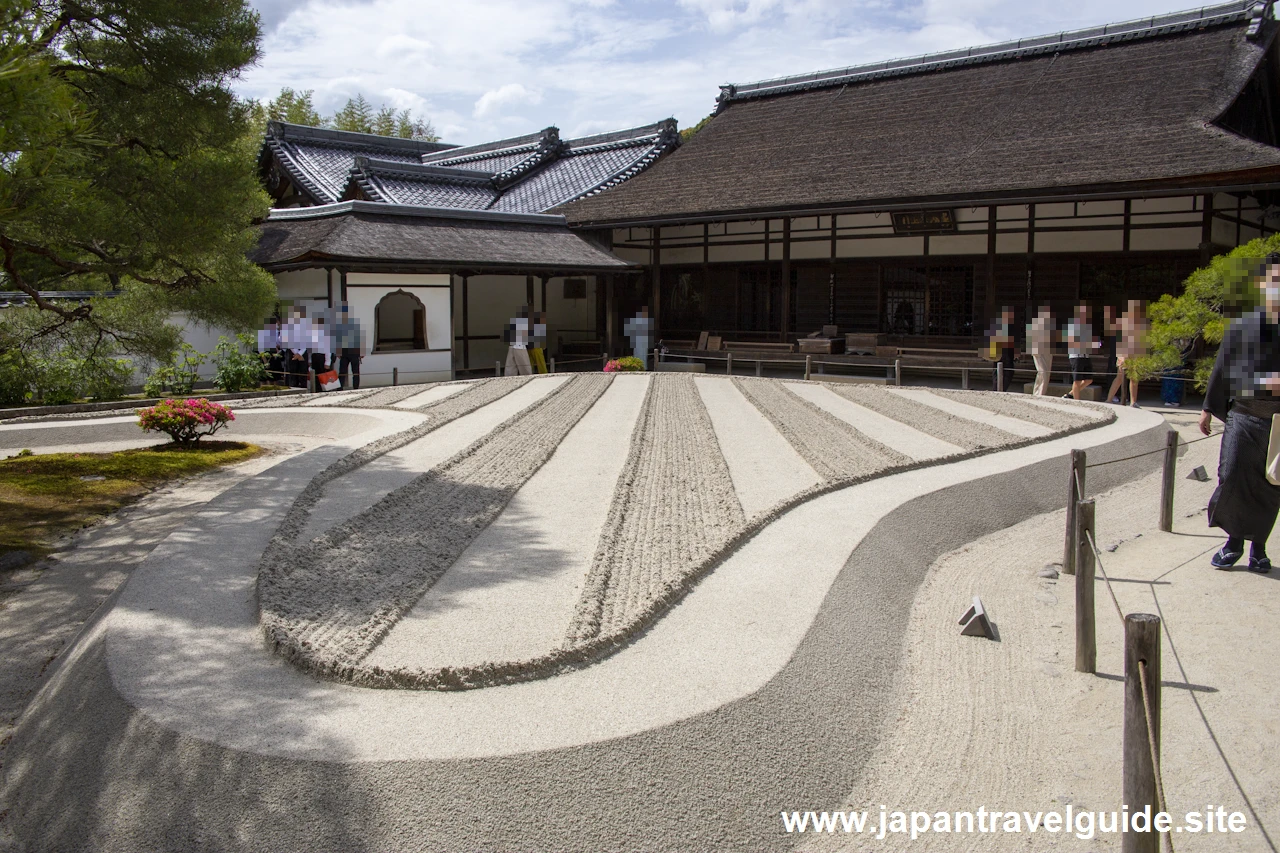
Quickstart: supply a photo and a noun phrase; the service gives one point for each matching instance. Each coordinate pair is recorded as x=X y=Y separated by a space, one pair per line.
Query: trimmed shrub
x=625 y=364
x=185 y=421
x=176 y=376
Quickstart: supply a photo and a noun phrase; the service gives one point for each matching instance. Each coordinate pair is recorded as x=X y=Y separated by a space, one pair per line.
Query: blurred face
x=1271 y=289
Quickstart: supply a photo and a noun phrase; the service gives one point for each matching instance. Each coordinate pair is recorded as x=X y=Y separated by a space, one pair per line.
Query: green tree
x=688 y=132
x=1210 y=295
x=357 y=116
x=126 y=165
x=295 y=108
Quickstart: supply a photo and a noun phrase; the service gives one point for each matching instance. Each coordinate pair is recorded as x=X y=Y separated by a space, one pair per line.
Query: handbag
x=328 y=381
x=1273 y=453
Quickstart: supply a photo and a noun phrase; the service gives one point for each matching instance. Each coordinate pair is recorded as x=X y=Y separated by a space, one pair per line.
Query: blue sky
x=487 y=69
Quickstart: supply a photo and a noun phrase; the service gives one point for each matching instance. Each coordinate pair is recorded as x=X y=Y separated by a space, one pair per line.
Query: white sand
x=1011 y=725
x=361 y=489
x=764 y=466
x=431 y=395
x=1026 y=429
x=511 y=594
x=900 y=436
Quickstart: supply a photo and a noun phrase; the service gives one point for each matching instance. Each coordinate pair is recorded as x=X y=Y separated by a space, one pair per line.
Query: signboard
x=923 y=222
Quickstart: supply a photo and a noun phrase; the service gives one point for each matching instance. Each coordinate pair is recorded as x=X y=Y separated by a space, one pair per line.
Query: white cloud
x=494 y=101
x=485 y=69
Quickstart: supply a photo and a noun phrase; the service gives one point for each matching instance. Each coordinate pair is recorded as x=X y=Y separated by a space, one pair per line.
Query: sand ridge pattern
x=326 y=604
x=953 y=429
x=673 y=508
x=1011 y=405
x=831 y=446
x=440 y=413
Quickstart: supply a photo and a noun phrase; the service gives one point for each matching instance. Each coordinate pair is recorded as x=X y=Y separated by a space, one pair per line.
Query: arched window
x=400 y=323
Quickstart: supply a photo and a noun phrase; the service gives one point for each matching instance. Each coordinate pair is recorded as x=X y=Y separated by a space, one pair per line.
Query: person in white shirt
x=1080 y=347
x=1040 y=345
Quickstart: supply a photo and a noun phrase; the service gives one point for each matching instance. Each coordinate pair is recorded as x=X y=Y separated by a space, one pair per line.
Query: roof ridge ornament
x=549 y=149
x=1261 y=12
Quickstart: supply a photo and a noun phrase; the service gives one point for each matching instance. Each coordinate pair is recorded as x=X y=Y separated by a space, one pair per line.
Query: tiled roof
x=525 y=174
x=1139 y=104
x=361 y=232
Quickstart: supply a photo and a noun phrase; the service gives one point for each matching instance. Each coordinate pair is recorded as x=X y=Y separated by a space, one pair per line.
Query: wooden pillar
x=786 y=278
x=610 y=310
x=1206 y=229
x=989 y=297
x=1031 y=259
x=544 y=294
x=655 y=307
x=1128 y=212
x=1141 y=694
x=466 y=324
x=1239 y=216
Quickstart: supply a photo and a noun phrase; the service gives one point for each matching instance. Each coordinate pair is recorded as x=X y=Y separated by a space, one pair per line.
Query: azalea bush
x=185 y=421
x=624 y=364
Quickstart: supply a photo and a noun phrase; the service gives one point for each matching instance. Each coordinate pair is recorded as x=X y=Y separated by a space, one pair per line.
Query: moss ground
x=43 y=497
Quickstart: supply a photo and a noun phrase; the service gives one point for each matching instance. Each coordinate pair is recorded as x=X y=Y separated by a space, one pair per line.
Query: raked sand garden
x=569 y=612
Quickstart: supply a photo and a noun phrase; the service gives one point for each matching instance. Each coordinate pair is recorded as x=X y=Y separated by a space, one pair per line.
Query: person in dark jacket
x=1244 y=391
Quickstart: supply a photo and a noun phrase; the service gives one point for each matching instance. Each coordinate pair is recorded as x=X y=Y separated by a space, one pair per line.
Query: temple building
x=908 y=200
x=435 y=247
x=903 y=202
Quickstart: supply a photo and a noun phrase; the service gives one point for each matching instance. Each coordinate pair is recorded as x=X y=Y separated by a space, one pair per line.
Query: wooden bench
x=752 y=346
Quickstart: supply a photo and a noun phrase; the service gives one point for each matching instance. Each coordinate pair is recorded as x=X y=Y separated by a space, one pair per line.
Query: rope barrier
x=1151 y=744
x=1097 y=559
x=1182 y=443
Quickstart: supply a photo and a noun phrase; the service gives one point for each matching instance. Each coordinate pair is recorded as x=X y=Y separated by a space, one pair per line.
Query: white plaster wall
x=1079 y=241
x=1158 y=205
x=971 y=214
x=302 y=284
x=958 y=244
x=686 y=255
x=1224 y=233
x=1011 y=244
x=1164 y=238
x=736 y=253
x=880 y=247
x=377 y=368
x=814 y=249
x=364 y=295
x=633 y=255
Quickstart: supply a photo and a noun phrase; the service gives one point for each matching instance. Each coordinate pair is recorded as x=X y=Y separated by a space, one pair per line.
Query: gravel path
x=327 y=604
x=951 y=429
x=1017 y=406
x=387 y=396
x=673 y=509
x=835 y=449
x=433 y=394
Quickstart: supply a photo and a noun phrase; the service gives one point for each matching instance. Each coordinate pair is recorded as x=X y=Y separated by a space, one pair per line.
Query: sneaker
x=1226 y=557
x=1174 y=405
x=1261 y=565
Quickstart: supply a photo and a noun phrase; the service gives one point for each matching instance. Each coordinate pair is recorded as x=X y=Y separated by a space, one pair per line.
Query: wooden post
x=395 y=376
x=808 y=367
x=1075 y=475
x=1166 y=484
x=311 y=381
x=1141 y=645
x=897 y=372
x=551 y=365
x=1086 y=632
x=964 y=379
x=728 y=364
x=999 y=375
x=759 y=367
x=497 y=368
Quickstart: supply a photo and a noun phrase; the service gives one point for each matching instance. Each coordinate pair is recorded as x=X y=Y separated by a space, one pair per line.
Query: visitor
x=1040 y=345
x=349 y=347
x=1109 y=349
x=1132 y=345
x=519 y=336
x=1244 y=391
x=1002 y=348
x=1080 y=346
x=640 y=331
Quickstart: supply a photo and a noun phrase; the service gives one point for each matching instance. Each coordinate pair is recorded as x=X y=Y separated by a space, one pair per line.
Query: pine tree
x=127 y=164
